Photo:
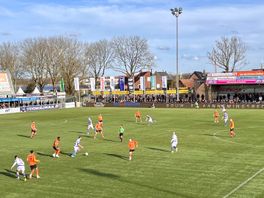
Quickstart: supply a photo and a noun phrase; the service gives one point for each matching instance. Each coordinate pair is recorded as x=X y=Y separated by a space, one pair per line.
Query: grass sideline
x=209 y=163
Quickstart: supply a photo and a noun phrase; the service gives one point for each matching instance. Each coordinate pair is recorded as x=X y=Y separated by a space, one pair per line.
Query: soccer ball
x=86 y=154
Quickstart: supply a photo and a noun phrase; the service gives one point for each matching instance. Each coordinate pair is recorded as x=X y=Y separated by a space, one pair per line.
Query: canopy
x=20 y=92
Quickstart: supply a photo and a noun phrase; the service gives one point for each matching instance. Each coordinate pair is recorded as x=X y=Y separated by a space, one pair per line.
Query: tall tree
x=132 y=54
x=228 y=54
x=9 y=59
x=55 y=56
x=99 y=57
x=72 y=62
x=34 y=59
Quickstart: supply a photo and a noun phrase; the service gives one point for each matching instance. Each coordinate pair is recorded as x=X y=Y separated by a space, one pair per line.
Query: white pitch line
x=242 y=184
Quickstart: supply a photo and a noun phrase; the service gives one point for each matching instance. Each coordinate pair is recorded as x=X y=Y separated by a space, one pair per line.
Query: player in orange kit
x=132 y=144
x=33 y=129
x=216 y=116
x=100 y=118
x=232 y=128
x=138 y=116
x=99 y=129
x=55 y=146
x=32 y=161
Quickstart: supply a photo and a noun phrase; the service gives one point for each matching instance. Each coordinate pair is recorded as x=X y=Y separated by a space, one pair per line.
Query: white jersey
x=174 y=141
x=90 y=122
x=150 y=119
x=20 y=165
x=19 y=162
x=78 y=141
x=225 y=116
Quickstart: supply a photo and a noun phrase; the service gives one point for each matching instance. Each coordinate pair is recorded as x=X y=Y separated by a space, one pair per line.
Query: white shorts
x=90 y=127
x=76 y=149
x=21 y=169
x=226 y=120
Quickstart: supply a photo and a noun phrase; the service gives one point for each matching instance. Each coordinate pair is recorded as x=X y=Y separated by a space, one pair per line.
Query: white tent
x=36 y=91
x=20 y=92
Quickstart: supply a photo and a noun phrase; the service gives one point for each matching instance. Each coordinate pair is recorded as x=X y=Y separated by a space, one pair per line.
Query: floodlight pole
x=176 y=12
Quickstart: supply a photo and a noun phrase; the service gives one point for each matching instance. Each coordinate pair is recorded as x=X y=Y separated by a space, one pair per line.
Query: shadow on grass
x=76 y=132
x=116 y=156
x=8 y=173
x=24 y=136
x=214 y=135
x=67 y=154
x=158 y=149
x=111 y=140
x=44 y=154
x=119 y=179
x=99 y=173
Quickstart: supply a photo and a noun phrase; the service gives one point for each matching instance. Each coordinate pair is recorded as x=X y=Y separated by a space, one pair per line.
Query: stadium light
x=176 y=12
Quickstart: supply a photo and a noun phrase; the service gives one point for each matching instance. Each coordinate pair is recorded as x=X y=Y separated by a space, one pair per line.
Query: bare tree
x=132 y=54
x=34 y=59
x=228 y=54
x=99 y=57
x=55 y=50
x=9 y=59
x=72 y=62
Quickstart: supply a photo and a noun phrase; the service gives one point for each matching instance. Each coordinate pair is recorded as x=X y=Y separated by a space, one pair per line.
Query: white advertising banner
x=92 y=82
x=76 y=84
x=142 y=83
x=112 y=83
x=164 y=82
x=102 y=83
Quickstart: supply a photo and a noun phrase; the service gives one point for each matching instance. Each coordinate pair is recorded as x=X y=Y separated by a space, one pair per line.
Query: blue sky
x=201 y=23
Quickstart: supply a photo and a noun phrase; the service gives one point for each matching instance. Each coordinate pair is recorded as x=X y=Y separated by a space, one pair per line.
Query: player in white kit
x=20 y=167
x=90 y=125
x=174 y=143
x=149 y=119
x=77 y=146
x=225 y=117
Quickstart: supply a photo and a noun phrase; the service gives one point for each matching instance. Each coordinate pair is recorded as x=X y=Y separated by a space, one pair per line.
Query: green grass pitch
x=208 y=164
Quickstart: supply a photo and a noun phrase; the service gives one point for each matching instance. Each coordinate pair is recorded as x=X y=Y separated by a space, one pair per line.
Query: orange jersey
x=216 y=114
x=100 y=118
x=98 y=127
x=138 y=114
x=33 y=126
x=56 y=143
x=132 y=144
x=232 y=124
x=31 y=158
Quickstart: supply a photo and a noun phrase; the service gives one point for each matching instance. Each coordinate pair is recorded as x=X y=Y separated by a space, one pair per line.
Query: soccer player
x=90 y=125
x=56 y=148
x=100 y=118
x=149 y=119
x=121 y=133
x=225 y=117
x=174 y=143
x=33 y=129
x=223 y=108
x=132 y=144
x=99 y=129
x=138 y=116
x=32 y=160
x=216 y=116
x=77 y=146
x=232 y=128
x=20 y=167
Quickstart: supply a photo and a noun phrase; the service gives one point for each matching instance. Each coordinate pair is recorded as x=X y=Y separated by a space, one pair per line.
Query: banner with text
x=102 y=83
x=92 y=83
x=76 y=84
